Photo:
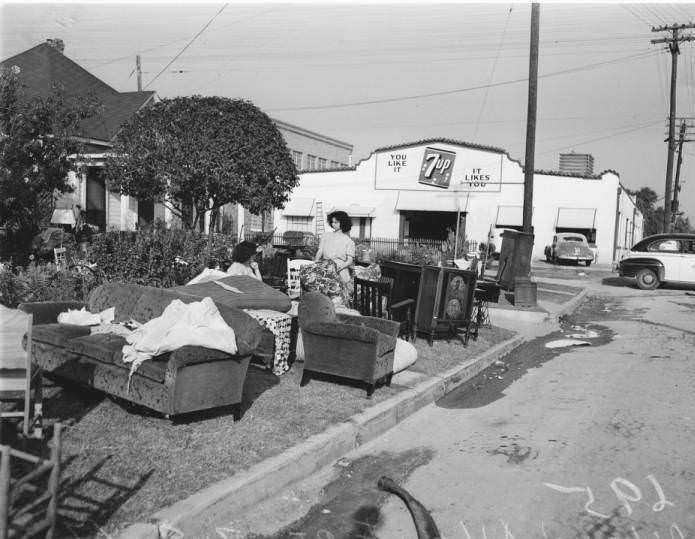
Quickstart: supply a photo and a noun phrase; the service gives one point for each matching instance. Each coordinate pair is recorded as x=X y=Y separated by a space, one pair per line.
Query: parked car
x=661 y=258
x=569 y=247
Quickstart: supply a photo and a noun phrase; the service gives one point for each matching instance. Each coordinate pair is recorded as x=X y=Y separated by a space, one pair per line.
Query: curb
x=570 y=305
x=195 y=514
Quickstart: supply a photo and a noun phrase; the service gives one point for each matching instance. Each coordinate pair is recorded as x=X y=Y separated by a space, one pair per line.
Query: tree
x=37 y=143
x=645 y=200
x=202 y=152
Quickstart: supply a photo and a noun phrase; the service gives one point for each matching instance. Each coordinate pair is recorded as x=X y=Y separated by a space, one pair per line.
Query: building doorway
x=429 y=225
x=96 y=198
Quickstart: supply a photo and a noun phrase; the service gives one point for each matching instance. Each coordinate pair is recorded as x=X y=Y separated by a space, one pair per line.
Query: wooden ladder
x=319 y=218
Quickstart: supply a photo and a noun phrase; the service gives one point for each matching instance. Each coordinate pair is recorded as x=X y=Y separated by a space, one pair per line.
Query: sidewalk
x=198 y=513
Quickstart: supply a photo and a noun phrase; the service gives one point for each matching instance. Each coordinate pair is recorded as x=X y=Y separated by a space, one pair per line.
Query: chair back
x=16 y=382
x=294 y=288
x=29 y=491
x=373 y=298
x=315 y=307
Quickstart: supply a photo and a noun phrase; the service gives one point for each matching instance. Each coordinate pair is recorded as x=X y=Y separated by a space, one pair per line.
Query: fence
x=380 y=247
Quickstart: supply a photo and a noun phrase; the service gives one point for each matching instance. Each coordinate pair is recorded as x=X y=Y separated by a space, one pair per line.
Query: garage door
x=509 y=216
x=576 y=218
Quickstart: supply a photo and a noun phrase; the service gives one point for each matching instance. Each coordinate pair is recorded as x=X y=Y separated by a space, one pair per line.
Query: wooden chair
x=29 y=488
x=60 y=258
x=294 y=288
x=17 y=384
x=373 y=298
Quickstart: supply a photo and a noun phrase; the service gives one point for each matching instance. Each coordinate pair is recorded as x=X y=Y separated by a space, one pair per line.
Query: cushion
x=404 y=355
x=57 y=334
x=315 y=307
x=119 y=295
x=256 y=294
x=108 y=348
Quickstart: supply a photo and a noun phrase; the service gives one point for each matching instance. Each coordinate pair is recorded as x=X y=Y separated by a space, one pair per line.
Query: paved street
x=593 y=441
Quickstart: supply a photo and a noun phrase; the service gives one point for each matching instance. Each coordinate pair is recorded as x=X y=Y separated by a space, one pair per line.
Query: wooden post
x=531 y=119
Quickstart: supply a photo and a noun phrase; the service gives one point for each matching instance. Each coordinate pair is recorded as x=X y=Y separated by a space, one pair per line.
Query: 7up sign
x=436 y=168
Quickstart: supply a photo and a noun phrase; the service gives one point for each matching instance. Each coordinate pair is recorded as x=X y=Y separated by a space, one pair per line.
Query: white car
x=662 y=258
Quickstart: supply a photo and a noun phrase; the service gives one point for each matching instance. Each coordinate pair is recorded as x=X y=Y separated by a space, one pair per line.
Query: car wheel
x=588 y=263
x=647 y=279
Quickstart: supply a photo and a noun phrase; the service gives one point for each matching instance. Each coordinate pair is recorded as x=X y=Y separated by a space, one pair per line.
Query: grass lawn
x=121 y=463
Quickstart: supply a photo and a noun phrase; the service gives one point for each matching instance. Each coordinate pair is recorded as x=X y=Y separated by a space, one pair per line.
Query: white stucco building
x=417 y=190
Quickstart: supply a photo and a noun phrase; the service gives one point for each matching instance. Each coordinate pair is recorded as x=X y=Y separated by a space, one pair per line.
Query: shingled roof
x=43 y=65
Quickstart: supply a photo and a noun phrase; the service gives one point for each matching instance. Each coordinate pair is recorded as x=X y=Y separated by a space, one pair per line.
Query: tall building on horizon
x=577 y=163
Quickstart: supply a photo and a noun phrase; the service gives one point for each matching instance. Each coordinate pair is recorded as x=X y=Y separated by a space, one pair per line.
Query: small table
x=280 y=325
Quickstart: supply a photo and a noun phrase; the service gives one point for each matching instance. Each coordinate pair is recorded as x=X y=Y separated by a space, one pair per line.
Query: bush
x=157 y=256
x=44 y=282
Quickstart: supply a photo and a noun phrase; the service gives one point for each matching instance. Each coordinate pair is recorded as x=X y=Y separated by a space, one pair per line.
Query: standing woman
x=339 y=247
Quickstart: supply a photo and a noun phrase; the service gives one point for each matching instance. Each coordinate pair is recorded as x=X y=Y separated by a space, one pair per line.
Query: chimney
x=57 y=44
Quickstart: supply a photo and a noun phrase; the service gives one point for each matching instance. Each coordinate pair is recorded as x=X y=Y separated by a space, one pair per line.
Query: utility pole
x=676 y=186
x=673 y=47
x=531 y=119
x=138 y=71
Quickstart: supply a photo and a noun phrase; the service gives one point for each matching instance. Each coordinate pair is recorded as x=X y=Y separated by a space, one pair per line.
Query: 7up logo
x=436 y=168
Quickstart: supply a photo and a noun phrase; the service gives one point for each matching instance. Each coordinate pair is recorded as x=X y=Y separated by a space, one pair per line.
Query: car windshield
x=573 y=238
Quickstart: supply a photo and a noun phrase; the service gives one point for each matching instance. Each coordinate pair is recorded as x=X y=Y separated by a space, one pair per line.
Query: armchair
x=355 y=347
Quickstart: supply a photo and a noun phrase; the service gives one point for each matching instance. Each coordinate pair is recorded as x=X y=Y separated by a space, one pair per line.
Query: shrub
x=44 y=282
x=157 y=256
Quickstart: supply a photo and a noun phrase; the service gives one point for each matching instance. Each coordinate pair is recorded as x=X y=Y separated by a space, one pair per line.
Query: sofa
x=189 y=379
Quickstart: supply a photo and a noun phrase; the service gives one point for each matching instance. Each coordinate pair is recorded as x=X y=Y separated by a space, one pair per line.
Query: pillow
x=404 y=355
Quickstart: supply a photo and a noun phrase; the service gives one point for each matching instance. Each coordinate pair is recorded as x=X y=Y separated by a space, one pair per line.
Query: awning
x=576 y=218
x=509 y=216
x=354 y=210
x=301 y=207
x=431 y=201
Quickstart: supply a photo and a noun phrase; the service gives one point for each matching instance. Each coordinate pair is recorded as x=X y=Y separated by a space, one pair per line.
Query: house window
x=310 y=161
x=335 y=164
x=300 y=222
x=262 y=222
x=297 y=158
x=322 y=163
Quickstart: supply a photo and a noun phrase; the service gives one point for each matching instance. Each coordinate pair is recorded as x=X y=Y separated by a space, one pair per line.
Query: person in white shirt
x=243 y=262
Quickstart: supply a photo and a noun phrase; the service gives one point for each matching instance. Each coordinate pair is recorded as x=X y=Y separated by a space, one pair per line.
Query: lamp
x=63 y=216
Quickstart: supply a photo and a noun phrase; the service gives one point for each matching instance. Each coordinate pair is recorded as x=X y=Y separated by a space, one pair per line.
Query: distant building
x=310 y=151
x=577 y=163
x=426 y=188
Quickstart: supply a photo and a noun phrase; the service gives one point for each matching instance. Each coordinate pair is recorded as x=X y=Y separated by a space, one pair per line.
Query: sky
x=381 y=74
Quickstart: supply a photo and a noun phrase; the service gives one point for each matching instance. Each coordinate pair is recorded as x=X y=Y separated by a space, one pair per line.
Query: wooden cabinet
x=443 y=296
x=445 y=302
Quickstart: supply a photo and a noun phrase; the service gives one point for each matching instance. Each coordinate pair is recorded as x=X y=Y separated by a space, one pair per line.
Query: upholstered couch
x=189 y=379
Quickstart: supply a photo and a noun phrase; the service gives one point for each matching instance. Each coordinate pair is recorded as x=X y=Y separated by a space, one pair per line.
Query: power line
x=622 y=132
x=460 y=90
x=187 y=45
x=492 y=73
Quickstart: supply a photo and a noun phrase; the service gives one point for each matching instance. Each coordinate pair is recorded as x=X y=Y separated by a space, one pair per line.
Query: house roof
x=43 y=65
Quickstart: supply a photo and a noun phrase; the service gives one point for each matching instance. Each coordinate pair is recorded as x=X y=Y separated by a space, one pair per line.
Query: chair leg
x=370 y=390
x=388 y=380
x=236 y=412
x=305 y=378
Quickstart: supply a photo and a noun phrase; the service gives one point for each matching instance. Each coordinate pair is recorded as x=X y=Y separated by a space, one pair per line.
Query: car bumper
x=577 y=258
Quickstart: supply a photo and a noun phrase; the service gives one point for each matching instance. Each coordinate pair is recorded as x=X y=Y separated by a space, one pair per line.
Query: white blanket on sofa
x=196 y=324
